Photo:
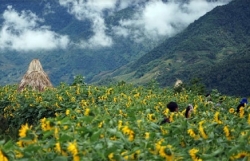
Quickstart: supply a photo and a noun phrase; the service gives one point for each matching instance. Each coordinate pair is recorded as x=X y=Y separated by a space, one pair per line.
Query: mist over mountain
x=87 y=37
x=214 y=48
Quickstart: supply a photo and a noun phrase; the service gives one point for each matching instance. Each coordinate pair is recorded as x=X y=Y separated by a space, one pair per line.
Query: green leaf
x=61 y=158
x=95 y=136
x=8 y=145
x=65 y=138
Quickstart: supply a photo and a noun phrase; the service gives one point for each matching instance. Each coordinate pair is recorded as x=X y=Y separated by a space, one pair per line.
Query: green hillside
x=63 y=64
x=207 y=46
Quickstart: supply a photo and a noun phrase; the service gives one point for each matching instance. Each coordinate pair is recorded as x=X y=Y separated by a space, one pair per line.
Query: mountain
x=55 y=22
x=134 y=41
x=214 y=48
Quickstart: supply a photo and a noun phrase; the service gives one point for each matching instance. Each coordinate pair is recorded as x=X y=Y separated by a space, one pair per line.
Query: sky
x=25 y=31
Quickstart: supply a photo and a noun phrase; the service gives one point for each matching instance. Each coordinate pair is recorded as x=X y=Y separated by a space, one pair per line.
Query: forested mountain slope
x=62 y=63
x=210 y=48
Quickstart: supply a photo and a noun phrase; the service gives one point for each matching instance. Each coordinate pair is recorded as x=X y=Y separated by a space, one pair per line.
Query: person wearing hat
x=243 y=103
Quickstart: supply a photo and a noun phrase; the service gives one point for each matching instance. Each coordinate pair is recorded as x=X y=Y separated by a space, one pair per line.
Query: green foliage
x=196 y=86
x=119 y=122
x=230 y=76
x=78 y=80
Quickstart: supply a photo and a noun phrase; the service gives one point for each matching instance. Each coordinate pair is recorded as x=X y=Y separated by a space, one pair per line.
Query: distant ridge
x=205 y=49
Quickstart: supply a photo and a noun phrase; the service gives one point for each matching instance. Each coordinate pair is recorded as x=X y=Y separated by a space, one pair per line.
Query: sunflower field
x=119 y=122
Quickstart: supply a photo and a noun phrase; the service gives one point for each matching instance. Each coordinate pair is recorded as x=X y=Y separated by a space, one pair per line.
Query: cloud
x=23 y=32
x=158 y=18
x=48 y=9
x=93 y=11
x=121 y=4
x=152 y=19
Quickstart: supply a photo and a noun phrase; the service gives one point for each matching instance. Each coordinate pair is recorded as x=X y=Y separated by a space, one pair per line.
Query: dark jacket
x=240 y=105
x=166 y=120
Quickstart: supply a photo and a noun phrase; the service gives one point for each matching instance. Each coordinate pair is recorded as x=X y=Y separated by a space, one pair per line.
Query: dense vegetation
x=214 y=49
x=230 y=76
x=120 y=122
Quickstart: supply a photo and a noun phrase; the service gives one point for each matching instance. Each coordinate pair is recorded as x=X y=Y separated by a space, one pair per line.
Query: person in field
x=243 y=103
x=173 y=107
x=208 y=98
x=189 y=110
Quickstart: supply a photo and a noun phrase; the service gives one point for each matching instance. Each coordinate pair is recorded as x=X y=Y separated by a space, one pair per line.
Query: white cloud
x=47 y=9
x=121 y=4
x=22 y=32
x=157 y=18
x=93 y=11
x=151 y=20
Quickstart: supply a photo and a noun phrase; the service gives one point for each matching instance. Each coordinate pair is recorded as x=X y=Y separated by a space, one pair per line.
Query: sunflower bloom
x=201 y=130
x=72 y=148
x=23 y=130
x=125 y=130
x=60 y=98
x=147 y=134
x=125 y=155
x=87 y=110
x=231 y=110
x=131 y=136
x=163 y=131
x=119 y=124
x=243 y=133
x=192 y=153
x=166 y=111
x=216 y=118
x=151 y=117
x=227 y=133
x=2 y=156
x=56 y=133
x=171 y=118
x=100 y=124
x=242 y=112
x=129 y=132
x=158 y=146
x=192 y=134
x=134 y=156
x=58 y=147
x=67 y=112
x=18 y=154
x=111 y=157
x=45 y=124
x=248 y=120
x=163 y=154
x=240 y=155
x=76 y=158
x=20 y=143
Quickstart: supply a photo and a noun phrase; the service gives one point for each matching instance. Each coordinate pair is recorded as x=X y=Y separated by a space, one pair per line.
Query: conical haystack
x=178 y=83
x=35 y=77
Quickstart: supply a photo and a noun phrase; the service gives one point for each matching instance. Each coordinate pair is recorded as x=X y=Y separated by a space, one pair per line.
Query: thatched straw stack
x=35 y=77
x=178 y=83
